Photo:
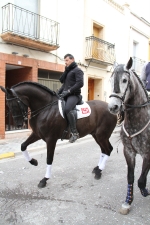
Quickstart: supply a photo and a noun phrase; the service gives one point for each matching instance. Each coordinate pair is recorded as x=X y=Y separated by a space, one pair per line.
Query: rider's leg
x=70 y=105
x=72 y=122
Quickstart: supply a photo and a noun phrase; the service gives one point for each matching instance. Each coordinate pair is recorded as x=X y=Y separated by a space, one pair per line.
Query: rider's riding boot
x=72 y=123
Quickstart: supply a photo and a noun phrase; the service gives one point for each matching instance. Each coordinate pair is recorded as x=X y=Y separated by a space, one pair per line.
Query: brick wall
x=11 y=77
x=2 y=100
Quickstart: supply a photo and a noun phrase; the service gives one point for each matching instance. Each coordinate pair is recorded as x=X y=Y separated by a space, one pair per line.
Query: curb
x=36 y=149
x=7 y=155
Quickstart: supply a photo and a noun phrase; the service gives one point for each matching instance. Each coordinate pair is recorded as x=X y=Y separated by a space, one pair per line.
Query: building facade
x=35 y=35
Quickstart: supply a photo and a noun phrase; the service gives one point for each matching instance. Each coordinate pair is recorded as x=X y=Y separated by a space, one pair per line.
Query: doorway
x=14 y=75
x=90 y=89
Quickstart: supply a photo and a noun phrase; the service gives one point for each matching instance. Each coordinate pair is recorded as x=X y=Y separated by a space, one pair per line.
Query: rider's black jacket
x=73 y=82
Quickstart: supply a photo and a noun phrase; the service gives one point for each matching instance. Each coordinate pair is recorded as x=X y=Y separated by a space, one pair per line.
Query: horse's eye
x=124 y=80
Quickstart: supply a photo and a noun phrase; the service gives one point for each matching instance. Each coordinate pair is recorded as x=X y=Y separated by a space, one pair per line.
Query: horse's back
x=100 y=119
x=100 y=107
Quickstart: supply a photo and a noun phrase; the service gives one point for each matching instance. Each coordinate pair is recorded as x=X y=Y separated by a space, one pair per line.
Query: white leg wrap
x=103 y=163
x=101 y=159
x=26 y=155
x=48 y=171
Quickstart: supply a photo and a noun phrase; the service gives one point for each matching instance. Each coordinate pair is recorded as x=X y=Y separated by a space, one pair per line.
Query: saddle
x=81 y=110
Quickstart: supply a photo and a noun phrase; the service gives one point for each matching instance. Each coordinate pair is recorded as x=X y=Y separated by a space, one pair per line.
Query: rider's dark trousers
x=71 y=102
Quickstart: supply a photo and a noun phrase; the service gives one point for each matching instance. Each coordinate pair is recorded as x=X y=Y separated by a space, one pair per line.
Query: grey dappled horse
x=129 y=95
x=47 y=123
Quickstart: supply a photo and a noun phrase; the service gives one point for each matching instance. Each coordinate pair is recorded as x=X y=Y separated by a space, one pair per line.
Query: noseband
x=21 y=105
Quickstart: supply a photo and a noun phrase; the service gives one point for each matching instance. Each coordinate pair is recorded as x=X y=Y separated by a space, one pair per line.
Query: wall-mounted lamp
x=25 y=55
x=14 y=53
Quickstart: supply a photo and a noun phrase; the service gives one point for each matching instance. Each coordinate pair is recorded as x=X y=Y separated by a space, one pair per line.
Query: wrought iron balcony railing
x=21 y=22
x=137 y=64
x=99 y=51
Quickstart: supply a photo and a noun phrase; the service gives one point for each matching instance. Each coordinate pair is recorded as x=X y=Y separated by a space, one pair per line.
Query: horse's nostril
x=115 y=107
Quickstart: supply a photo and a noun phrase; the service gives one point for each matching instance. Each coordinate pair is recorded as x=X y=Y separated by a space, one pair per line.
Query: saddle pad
x=83 y=110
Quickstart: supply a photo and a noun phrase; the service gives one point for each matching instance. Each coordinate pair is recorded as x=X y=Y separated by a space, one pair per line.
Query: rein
x=24 y=113
x=41 y=109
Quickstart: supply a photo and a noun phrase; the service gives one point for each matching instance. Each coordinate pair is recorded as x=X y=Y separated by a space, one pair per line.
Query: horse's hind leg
x=106 y=149
x=51 y=143
x=143 y=178
x=31 y=139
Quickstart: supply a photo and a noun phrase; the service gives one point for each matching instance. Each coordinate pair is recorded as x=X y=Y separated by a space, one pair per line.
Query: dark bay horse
x=129 y=95
x=47 y=123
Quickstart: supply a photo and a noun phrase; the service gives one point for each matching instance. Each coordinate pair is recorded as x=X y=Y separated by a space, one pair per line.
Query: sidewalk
x=11 y=147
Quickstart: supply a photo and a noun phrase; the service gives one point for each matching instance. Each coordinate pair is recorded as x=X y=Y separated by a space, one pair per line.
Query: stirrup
x=74 y=137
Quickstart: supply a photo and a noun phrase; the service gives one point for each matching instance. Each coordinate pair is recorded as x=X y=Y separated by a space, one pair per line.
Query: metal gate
x=54 y=85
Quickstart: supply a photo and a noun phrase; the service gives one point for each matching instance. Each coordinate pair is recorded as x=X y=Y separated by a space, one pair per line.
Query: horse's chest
x=139 y=144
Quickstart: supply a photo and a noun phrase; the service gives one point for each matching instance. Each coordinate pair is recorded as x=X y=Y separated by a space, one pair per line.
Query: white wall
x=70 y=15
x=76 y=22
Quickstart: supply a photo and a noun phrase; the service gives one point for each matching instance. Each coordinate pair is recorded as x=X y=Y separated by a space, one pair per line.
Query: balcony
x=99 y=51
x=28 y=29
x=137 y=64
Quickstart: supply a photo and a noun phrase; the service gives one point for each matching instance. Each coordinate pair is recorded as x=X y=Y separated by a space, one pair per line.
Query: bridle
x=24 y=113
x=122 y=98
x=129 y=107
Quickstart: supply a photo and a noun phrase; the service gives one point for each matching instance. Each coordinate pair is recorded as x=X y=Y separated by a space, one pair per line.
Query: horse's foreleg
x=130 y=159
x=143 y=178
x=31 y=139
x=50 y=154
x=106 y=149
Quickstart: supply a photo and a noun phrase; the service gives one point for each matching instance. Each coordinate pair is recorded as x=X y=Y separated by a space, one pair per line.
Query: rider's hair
x=69 y=55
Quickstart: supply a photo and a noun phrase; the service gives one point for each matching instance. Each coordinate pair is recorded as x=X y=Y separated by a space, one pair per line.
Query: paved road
x=72 y=196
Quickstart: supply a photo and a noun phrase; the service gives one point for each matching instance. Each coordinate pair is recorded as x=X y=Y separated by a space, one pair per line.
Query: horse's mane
x=138 y=78
x=37 y=85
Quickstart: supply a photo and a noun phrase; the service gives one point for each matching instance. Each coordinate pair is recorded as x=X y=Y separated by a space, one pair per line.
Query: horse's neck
x=137 y=117
x=36 y=97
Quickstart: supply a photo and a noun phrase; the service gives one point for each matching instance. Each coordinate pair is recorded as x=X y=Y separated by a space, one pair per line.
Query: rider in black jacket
x=72 y=80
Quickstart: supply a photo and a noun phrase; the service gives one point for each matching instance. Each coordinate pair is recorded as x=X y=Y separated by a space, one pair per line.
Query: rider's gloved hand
x=65 y=94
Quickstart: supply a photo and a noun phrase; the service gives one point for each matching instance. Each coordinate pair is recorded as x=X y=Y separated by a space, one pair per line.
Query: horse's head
x=17 y=107
x=120 y=86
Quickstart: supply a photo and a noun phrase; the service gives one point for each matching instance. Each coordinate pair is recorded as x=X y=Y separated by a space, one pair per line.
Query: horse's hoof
x=98 y=173
x=42 y=183
x=98 y=176
x=124 y=211
x=34 y=162
x=95 y=168
x=125 y=208
x=145 y=192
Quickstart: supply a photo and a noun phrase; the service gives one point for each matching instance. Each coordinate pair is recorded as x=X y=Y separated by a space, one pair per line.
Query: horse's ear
x=3 y=89
x=129 y=64
x=115 y=64
x=8 y=91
